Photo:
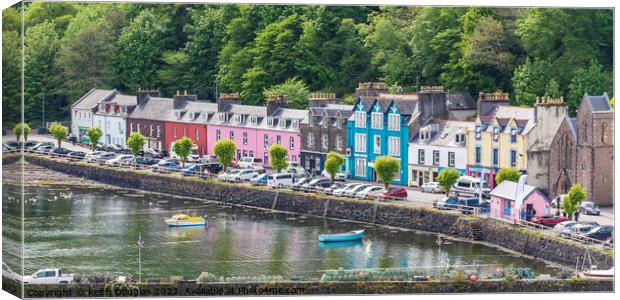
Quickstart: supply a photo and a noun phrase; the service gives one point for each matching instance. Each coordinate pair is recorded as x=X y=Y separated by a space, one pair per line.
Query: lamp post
x=140 y=243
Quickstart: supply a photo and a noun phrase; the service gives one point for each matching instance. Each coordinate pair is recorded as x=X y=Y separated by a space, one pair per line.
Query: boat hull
x=342 y=237
x=185 y=223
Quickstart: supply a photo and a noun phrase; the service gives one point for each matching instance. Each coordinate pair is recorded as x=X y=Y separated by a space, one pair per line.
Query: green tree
x=278 y=157
x=592 y=80
x=332 y=163
x=174 y=75
x=183 y=148
x=11 y=77
x=294 y=89
x=59 y=132
x=573 y=199
x=40 y=79
x=11 y=20
x=21 y=129
x=447 y=178
x=510 y=174
x=225 y=150
x=552 y=90
x=59 y=13
x=530 y=81
x=94 y=134
x=135 y=142
x=387 y=168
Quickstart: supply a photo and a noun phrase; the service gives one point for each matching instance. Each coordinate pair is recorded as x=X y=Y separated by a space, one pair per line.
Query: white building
x=111 y=116
x=438 y=146
x=82 y=111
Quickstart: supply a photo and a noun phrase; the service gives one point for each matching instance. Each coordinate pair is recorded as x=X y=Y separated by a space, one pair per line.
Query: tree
x=183 y=148
x=174 y=75
x=294 y=89
x=386 y=167
x=278 y=157
x=94 y=134
x=510 y=174
x=447 y=178
x=332 y=163
x=593 y=80
x=21 y=129
x=11 y=77
x=135 y=142
x=573 y=199
x=225 y=150
x=59 y=132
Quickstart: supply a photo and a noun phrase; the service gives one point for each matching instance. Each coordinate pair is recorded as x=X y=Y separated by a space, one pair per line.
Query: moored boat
x=594 y=273
x=342 y=237
x=185 y=220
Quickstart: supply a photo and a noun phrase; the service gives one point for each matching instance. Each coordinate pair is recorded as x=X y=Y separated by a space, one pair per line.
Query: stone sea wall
x=528 y=242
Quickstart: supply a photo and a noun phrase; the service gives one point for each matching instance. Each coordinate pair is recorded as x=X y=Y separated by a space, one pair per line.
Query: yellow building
x=498 y=140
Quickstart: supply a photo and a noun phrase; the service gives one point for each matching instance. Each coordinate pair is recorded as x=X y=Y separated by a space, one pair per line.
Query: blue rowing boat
x=342 y=237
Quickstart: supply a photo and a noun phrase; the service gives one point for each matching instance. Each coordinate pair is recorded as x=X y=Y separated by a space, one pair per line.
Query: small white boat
x=342 y=237
x=594 y=273
x=185 y=220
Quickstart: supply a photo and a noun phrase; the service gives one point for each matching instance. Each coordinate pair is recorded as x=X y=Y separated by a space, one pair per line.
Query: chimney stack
x=487 y=102
x=227 y=99
x=276 y=102
x=371 y=89
x=322 y=99
x=143 y=95
x=179 y=100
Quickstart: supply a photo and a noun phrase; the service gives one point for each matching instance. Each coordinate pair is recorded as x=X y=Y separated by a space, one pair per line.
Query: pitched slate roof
x=446 y=133
x=508 y=190
x=598 y=103
x=155 y=108
x=461 y=101
x=127 y=100
x=92 y=98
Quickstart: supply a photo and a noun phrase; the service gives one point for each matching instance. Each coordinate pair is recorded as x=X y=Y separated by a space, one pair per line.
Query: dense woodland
x=257 y=50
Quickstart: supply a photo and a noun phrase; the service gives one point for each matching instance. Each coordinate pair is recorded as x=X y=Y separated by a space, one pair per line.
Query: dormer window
x=205 y=116
x=123 y=109
x=478 y=132
x=271 y=122
x=222 y=117
x=177 y=114
x=239 y=119
x=325 y=122
x=513 y=135
x=191 y=115
x=495 y=133
x=460 y=138
x=253 y=120
x=283 y=123
x=295 y=124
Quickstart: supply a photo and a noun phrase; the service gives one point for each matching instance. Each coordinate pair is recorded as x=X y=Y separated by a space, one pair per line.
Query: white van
x=249 y=162
x=280 y=180
x=468 y=185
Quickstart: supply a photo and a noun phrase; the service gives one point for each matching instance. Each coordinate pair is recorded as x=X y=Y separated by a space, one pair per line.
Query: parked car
x=244 y=175
x=153 y=153
x=468 y=205
x=59 y=152
x=352 y=192
x=297 y=170
x=10 y=274
x=249 y=162
x=167 y=165
x=260 y=179
x=144 y=161
x=558 y=199
x=114 y=148
x=45 y=149
x=601 y=233
x=432 y=187
x=42 y=144
x=347 y=187
x=469 y=186
x=339 y=176
x=280 y=180
x=394 y=193
x=564 y=227
x=550 y=220
x=77 y=154
x=193 y=158
x=13 y=145
x=330 y=189
x=581 y=228
x=120 y=159
x=363 y=194
x=228 y=175
x=30 y=144
x=311 y=185
x=211 y=168
x=296 y=186
x=101 y=159
x=449 y=202
x=194 y=169
x=92 y=156
x=49 y=276
x=589 y=208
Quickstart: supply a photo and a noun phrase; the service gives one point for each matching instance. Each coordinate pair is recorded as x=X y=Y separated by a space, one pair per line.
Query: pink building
x=255 y=128
x=504 y=204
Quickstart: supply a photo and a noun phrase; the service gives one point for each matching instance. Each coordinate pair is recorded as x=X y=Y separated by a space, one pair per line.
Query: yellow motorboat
x=185 y=220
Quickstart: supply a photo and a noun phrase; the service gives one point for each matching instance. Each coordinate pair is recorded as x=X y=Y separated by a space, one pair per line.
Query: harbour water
x=86 y=230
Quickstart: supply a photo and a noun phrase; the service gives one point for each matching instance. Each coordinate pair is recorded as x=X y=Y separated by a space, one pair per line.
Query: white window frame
x=360 y=142
x=245 y=138
x=451 y=159
x=338 y=142
x=436 y=158
x=376 y=146
x=394 y=122
x=291 y=141
x=376 y=120
x=394 y=146
x=360 y=167
x=324 y=141
x=360 y=119
x=311 y=140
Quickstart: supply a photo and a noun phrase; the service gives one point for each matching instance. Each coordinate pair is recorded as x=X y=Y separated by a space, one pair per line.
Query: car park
x=299 y=183
x=59 y=152
x=601 y=233
x=153 y=153
x=119 y=159
x=92 y=156
x=342 y=191
x=143 y=161
x=564 y=227
x=432 y=187
x=589 y=208
x=394 y=193
x=280 y=180
x=243 y=175
x=363 y=194
x=330 y=189
x=311 y=185
x=355 y=190
x=550 y=220
x=76 y=154
x=167 y=165
x=260 y=179
x=105 y=157
x=42 y=144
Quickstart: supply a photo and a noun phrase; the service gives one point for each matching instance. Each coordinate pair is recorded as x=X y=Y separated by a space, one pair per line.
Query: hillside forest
x=257 y=50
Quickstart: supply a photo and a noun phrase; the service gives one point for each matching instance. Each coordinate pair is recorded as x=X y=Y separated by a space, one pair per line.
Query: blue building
x=383 y=123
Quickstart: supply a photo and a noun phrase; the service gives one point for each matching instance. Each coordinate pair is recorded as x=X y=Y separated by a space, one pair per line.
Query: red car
x=394 y=192
x=550 y=220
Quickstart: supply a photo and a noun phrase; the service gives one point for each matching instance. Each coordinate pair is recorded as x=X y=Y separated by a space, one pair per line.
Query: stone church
x=582 y=152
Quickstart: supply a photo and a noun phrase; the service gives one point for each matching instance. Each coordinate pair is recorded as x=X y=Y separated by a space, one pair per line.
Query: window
x=270 y=122
x=360 y=167
x=338 y=123
x=360 y=119
x=435 y=157
x=513 y=158
x=291 y=141
x=253 y=120
x=158 y=130
x=513 y=135
x=184 y=131
x=123 y=109
x=604 y=133
x=266 y=140
x=478 y=154
x=278 y=139
x=295 y=124
x=394 y=146
x=222 y=117
x=450 y=159
x=218 y=134
x=338 y=142
x=397 y=176
x=294 y=158
x=394 y=122
x=197 y=133
x=377 y=144
x=245 y=138
x=360 y=142
x=174 y=131
x=421 y=156
x=324 y=141
x=377 y=120
x=231 y=135
x=495 y=133
x=311 y=140
x=251 y=153
x=495 y=156
x=478 y=132
x=459 y=138
x=150 y=130
x=131 y=127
